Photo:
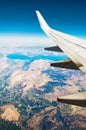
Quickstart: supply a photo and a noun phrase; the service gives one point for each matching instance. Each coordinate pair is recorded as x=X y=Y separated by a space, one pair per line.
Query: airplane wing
x=75 y=49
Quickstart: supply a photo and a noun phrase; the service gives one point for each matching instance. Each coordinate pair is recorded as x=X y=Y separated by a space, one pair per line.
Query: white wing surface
x=75 y=49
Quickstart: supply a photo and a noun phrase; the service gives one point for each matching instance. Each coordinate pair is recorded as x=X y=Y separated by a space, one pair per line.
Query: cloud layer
x=25 y=40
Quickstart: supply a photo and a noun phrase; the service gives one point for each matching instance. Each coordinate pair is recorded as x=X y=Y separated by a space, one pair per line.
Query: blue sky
x=18 y=16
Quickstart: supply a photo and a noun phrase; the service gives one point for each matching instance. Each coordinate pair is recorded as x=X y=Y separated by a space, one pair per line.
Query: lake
x=16 y=56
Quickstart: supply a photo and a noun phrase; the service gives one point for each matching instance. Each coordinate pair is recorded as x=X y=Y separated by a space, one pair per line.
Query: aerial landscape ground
x=29 y=88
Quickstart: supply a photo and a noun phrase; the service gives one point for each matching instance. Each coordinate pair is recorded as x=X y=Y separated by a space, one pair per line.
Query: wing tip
x=36 y=11
x=42 y=21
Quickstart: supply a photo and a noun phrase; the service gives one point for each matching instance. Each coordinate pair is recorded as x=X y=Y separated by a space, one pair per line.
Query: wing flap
x=68 y=64
x=54 y=48
x=78 y=99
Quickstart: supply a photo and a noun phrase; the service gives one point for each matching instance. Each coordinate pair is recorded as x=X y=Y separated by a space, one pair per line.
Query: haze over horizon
x=18 y=18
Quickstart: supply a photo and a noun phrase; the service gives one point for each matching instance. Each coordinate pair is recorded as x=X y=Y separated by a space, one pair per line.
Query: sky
x=17 y=17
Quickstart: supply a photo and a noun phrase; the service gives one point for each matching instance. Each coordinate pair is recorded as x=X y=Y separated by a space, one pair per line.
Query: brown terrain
x=29 y=91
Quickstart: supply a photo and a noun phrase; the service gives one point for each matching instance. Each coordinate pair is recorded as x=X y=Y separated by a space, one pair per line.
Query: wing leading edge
x=75 y=49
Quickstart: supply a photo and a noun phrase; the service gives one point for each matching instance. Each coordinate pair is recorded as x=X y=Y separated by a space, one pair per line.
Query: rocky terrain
x=29 y=88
